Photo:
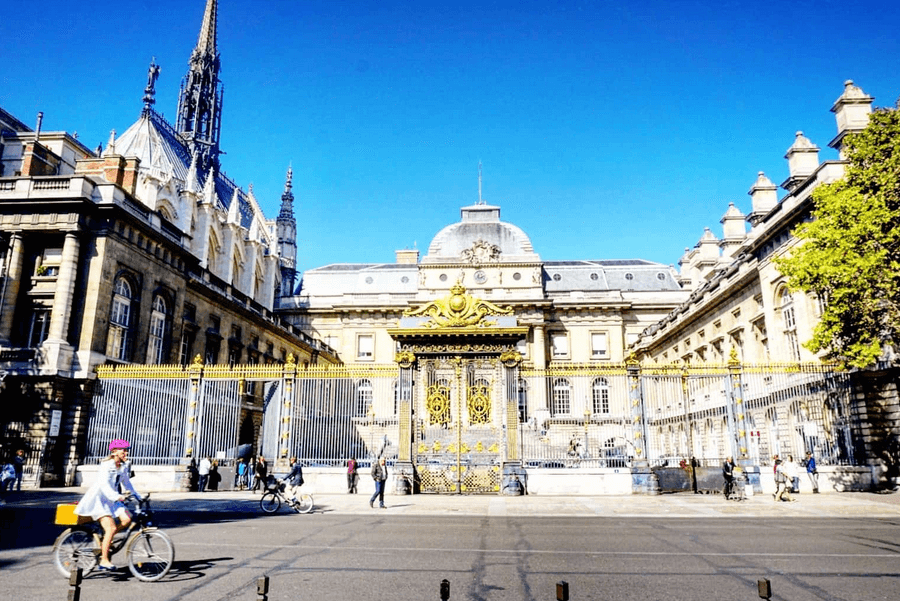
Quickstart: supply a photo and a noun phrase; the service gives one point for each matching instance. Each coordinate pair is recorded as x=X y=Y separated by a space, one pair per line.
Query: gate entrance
x=459 y=423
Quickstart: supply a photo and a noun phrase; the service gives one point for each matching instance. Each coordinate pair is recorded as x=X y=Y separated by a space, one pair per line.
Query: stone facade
x=739 y=301
x=140 y=252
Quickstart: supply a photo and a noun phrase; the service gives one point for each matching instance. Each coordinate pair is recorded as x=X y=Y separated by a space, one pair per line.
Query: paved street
x=830 y=546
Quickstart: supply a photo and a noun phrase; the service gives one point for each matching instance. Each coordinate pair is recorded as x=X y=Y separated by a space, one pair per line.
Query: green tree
x=849 y=253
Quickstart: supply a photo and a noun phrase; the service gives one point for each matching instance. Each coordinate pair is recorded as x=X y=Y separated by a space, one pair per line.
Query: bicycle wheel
x=76 y=548
x=270 y=502
x=304 y=504
x=150 y=555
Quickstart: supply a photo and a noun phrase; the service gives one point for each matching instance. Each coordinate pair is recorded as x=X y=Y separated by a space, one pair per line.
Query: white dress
x=103 y=495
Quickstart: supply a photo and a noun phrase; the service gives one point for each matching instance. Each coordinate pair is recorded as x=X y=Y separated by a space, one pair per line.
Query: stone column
x=65 y=289
x=11 y=288
x=539 y=359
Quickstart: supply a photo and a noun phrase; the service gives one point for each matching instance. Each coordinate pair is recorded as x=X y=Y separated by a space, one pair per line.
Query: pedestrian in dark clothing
x=260 y=473
x=19 y=467
x=379 y=474
x=728 y=474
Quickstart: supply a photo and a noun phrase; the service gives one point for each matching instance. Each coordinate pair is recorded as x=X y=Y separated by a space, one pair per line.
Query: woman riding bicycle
x=103 y=500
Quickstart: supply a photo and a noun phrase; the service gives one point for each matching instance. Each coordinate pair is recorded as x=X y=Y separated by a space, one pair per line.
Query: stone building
x=142 y=252
x=738 y=299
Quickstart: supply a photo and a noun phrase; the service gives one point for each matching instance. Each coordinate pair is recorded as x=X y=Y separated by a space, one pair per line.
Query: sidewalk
x=682 y=505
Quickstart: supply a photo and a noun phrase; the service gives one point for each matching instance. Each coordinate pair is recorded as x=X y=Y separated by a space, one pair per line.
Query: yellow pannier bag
x=65 y=515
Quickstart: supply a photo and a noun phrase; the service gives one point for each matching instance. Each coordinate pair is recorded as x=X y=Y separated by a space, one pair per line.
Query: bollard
x=75 y=585
x=262 y=589
x=764 y=588
x=562 y=591
x=445 y=589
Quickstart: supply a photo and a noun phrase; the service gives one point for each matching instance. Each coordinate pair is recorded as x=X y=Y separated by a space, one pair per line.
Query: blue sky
x=606 y=130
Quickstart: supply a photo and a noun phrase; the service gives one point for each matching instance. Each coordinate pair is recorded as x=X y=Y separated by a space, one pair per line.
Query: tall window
x=364 y=397
x=117 y=345
x=600 y=395
x=40 y=323
x=562 y=394
x=599 y=346
x=522 y=390
x=560 y=345
x=156 y=340
x=365 y=345
x=789 y=322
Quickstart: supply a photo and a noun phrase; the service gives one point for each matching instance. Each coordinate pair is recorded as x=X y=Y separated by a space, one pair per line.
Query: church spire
x=200 y=101
x=287 y=197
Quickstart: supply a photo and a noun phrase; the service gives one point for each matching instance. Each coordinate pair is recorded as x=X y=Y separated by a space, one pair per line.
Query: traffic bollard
x=764 y=588
x=262 y=589
x=75 y=585
x=562 y=591
x=445 y=589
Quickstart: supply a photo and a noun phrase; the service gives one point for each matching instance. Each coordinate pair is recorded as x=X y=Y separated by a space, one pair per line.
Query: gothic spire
x=287 y=198
x=200 y=102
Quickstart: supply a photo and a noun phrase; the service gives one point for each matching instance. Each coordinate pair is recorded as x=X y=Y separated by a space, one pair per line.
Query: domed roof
x=480 y=237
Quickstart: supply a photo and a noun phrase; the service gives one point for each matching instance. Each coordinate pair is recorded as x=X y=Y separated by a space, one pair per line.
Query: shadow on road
x=27 y=520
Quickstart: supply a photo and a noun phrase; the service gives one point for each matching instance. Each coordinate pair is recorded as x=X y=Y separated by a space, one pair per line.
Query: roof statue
x=458 y=310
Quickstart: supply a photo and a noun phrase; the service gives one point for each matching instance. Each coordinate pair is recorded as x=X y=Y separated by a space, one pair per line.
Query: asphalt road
x=224 y=545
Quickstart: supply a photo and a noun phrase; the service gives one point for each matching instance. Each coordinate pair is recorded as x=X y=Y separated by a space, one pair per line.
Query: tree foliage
x=849 y=254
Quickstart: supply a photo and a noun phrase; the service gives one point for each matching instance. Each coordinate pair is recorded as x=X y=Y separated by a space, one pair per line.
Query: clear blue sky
x=607 y=130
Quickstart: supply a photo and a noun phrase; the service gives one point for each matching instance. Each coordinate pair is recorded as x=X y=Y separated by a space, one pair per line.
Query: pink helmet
x=119 y=444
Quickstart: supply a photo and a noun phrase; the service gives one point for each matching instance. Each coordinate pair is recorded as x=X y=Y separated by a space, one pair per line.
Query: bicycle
x=148 y=550
x=274 y=495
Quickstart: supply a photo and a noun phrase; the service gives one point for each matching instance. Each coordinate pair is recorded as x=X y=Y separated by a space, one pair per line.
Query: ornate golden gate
x=459 y=425
x=458 y=354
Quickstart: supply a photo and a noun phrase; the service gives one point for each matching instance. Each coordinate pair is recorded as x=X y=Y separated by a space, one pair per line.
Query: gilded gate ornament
x=458 y=310
x=479 y=402
x=438 y=404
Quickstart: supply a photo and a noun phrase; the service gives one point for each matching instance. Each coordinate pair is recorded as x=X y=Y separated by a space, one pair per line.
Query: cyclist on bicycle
x=294 y=480
x=103 y=501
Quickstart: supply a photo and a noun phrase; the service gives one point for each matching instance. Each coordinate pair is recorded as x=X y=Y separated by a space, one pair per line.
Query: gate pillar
x=643 y=480
x=406 y=473
x=514 y=475
x=194 y=414
x=739 y=438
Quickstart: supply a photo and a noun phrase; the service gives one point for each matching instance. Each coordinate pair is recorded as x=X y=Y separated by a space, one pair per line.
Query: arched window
x=789 y=324
x=562 y=393
x=159 y=317
x=600 y=395
x=118 y=340
x=364 y=397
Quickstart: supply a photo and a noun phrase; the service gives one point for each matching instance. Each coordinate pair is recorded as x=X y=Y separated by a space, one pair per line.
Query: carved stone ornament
x=511 y=358
x=481 y=252
x=458 y=310
x=405 y=359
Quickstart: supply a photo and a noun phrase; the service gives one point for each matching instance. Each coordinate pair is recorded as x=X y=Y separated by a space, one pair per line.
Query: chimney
x=764 y=197
x=407 y=256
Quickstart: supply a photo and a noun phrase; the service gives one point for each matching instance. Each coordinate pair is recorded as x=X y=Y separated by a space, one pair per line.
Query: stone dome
x=480 y=237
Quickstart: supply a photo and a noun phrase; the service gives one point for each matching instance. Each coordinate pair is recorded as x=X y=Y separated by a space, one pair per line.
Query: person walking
x=781 y=483
x=728 y=474
x=19 y=467
x=260 y=473
x=379 y=474
x=792 y=471
x=203 y=474
x=811 y=472
x=352 y=476
x=241 y=480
